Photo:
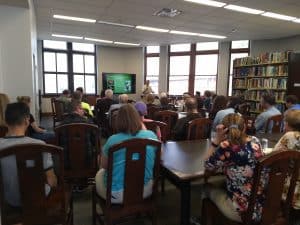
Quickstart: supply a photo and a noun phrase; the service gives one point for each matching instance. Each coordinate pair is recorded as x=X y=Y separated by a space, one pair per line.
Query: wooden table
x=272 y=138
x=183 y=162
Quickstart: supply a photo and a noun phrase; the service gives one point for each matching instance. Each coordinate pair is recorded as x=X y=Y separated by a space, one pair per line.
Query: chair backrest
x=101 y=108
x=3 y=131
x=92 y=99
x=134 y=170
x=199 y=129
x=170 y=118
x=81 y=143
x=279 y=165
x=59 y=110
x=274 y=124
x=151 y=111
x=31 y=177
x=152 y=125
x=53 y=107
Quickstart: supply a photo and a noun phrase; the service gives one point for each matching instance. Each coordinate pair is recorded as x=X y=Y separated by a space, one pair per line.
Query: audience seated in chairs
x=237 y=153
x=292 y=102
x=77 y=114
x=268 y=103
x=219 y=103
x=3 y=103
x=84 y=97
x=165 y=104
x=207 y=100
x=181 y=127
x=65 y=99
x=232 y=107
x=123 y=100
x=141 y=108
x=17 y=116
x=77 y=95
x=291 y=141
x=150 y=100
x=129 y=126
x=33 y=129
x=103 y=105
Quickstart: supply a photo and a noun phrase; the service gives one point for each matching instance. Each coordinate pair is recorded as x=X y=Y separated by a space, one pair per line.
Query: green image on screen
x=120 y=83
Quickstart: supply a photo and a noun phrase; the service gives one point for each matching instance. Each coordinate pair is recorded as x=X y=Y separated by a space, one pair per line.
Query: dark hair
x=66 y=92
x=76 y=96
x=102 y=93
x=198 y=93
x=236 y=129
x=74 y=104
x=128 y=120
x=219 y=103
x=207 y=94
x=16 y=113
x=269 y=99
x=80 y=89
x=234 y=103
x=200 y=103
x=164 y=101
x=293 y=99
x=191 y=104
x=292 y=117
x=150 y=98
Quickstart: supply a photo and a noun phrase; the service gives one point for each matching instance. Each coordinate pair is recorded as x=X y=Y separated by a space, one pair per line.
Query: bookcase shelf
x=275 y=73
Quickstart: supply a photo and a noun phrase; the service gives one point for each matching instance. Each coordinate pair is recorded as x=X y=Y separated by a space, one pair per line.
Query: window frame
x=70 y=73
x=235 y=51
x=149 y=55
x=192 y=70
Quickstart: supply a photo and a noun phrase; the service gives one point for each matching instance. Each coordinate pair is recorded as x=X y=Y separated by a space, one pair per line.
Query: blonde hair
x=292 y=117
x=24 y=99
x=236 y=129
x=3 y=103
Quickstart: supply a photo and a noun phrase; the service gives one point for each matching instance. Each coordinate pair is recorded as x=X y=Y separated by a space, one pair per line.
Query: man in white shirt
x=147 y=88
x=268 y=103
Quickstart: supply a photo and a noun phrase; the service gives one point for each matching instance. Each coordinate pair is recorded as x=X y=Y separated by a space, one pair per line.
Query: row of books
x=267 y=83
x=264 y=58
x=264 y=71
x=256 y=95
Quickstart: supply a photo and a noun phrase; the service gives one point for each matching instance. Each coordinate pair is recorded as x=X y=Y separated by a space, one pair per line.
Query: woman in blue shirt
x=129 y=126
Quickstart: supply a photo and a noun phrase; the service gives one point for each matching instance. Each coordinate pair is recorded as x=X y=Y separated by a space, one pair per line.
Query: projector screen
x=120 y=83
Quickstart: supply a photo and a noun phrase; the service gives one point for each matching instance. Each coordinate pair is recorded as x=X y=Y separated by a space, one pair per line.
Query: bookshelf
x=275 y=73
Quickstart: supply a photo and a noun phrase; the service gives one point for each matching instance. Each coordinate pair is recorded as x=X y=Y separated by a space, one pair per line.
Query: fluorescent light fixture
x=152 y=29
x=126 y=43
x=86 y=20
x=296 y=20
x=244 y=9
x=279 y=16
x=212 y=36
x=98 y=40
x=115 y=24
x=208 y=2
x=66 y=36
x=183 y=33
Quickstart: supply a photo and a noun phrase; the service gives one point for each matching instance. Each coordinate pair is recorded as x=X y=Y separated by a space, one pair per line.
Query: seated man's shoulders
x=11 y=141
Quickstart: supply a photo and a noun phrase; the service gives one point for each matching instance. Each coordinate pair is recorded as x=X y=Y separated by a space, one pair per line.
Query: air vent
x=165 y=12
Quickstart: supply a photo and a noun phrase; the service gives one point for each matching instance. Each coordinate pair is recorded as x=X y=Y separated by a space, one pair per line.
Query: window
x=193 y=67
x=68 y=66
x=152 y=66
x=206 y=66
x=239 y=49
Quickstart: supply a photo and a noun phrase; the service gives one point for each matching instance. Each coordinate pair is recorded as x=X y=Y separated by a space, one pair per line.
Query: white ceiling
x=195 y=18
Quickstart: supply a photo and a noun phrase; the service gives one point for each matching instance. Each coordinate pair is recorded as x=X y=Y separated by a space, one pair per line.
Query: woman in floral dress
x=236 y=154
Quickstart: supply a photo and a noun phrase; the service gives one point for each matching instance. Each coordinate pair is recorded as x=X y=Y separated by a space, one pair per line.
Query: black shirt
x=182 y=125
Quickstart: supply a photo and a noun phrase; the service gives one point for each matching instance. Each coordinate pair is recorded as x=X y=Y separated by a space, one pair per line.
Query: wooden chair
x=58 y=113
x=152 y=125
x=133 y=202
x=92 y=99
x=151 y=111
x=170 y=118
x=274 y=124
x=37 y=208
x=199 y=129
x=275 y=211
x=81 y=144
x=3 y=131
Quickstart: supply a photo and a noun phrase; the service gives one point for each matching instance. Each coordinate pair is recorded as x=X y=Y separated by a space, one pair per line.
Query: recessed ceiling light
x=279 y=16
x=126 y=43
x=66 y=36
x=98 y=40
x=152 y=29
x=86 y=20
x=208 y=2
x=296 y=20
x=212 y=36
x=115 y=24
x=183 y=33
x=244 y=9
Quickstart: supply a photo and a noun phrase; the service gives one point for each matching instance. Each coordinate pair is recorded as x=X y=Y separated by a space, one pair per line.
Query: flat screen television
x=120 y=83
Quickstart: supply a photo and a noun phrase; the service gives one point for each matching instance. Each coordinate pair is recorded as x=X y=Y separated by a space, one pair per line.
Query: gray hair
x=123 y=98
x=109 y=93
